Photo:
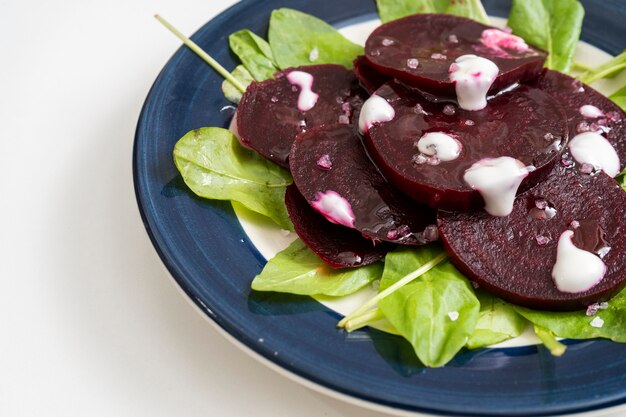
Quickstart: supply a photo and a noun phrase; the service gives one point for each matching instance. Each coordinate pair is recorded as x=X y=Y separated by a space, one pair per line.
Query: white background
x=90 y=322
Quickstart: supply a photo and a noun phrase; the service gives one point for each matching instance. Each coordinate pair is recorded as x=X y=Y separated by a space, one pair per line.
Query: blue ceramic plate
x=212 y=259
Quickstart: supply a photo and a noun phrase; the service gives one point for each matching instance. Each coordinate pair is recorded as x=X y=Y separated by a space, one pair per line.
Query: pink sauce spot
x=392 y=234
x=307 y=98
x=334 y=207
x=477 y=74
x=501 y=41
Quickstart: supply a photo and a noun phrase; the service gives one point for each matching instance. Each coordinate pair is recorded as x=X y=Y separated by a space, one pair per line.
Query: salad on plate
x=464 y=175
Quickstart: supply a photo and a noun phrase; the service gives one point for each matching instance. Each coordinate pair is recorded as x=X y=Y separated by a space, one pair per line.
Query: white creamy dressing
x=375 y=110
x=472 y=77
x=575 y=270
x=440 y=145
x=307 y=98
x=497 y=181
x=590 y=112
x=334 y=207
x=593 y=148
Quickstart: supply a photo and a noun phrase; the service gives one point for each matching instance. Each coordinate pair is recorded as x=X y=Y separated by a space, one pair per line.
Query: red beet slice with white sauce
x=513 y=256
x=333 y=172
x=338 y=246
x=420 y=49
x=525 y=124
x=271 y=113
x=587 y=110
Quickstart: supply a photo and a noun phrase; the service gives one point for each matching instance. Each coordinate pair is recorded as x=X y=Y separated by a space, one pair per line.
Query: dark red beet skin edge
x=526 y=124
x=336 y=245
x=513 y=256
x=332 y=158
x=268 y=118
x=425 y=36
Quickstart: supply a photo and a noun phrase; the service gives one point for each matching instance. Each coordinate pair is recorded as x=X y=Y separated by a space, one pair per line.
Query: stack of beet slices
x=449 y=129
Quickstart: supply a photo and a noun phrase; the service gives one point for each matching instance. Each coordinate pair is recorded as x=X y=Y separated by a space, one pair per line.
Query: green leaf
x=551 y=25
x=472 y=9
x=548 y=339
x=577 y=325
x=497 y=322
x=607 y=70
x=395 y=9
x=389 y=10
x=297 y=270
x=215 y=166
x=619 y=97
x=425 y=310
x=255 y=54
x=299 y=39
x=231 y=92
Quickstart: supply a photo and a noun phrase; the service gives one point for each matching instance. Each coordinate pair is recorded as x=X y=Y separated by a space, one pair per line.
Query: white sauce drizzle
x=593 y=148
x=575 y=270
x=472 y=77
x=497 y=181
x=438 y=144
x=375 y=110
x=307 y=98
x=591 y=112
x=334 y=207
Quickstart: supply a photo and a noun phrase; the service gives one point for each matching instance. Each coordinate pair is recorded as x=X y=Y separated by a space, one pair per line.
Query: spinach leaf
x=231 y=92
x=607 y=70
x=255 y=54
x=297 y=270
x=472 y=9
x=497 y=322
x=437 y=312
x=394 y=9
x=215 y=166
x=609 y=323
x=552 y=25
x=389 y=10
x=619 y=97
x=299 y=39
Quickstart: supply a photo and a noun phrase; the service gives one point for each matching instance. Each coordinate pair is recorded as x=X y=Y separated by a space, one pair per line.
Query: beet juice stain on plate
x=212 y=259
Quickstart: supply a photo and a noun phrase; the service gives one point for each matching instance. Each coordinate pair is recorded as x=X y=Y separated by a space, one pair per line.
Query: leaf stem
x=400 y=283
x=590 y=78
x=209 y=60
x=555 y=347
x=364 y=319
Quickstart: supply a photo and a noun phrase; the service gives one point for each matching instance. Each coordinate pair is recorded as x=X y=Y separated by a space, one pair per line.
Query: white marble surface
x=90 y=322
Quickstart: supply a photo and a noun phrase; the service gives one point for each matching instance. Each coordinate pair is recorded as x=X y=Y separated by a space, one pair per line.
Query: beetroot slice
x=436 y=41
x=268 y=118
x=338 y=246
x=572 y=95
x=331 y=159
x=371 y=80
x=513 y=256
x=526 y=124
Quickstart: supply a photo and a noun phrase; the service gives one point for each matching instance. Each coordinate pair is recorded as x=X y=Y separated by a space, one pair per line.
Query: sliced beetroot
x=526 y=124
x=576 y=99
x=333 y=172
x=269 y=116
x=338 y=246
x=370 y=79
x=513 y=256
x=419 y=50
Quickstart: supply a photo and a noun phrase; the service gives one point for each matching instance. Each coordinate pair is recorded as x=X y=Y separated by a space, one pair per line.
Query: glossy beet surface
x=526 y=124
x=573 y=95
x=336 y=245
x=332 y=158
x=513 y=256
x=435 y=41
x=268 y=118
x=370 y=79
